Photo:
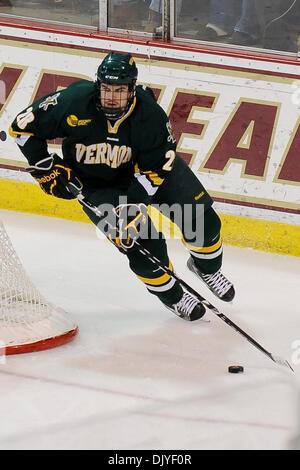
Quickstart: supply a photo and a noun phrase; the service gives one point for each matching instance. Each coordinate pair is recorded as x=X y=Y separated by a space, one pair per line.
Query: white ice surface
x=138 y=377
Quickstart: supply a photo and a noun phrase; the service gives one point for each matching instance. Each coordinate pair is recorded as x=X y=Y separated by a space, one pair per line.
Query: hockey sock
x=208 y=257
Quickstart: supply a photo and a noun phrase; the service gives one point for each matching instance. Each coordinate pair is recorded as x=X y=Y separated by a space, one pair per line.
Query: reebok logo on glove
x=46 y=179
x=54 y=177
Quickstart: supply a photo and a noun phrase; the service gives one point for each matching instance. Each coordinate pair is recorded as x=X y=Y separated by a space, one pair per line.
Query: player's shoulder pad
x=147 y=105
x=71 y=100
x=81 y=90
x=144 y=91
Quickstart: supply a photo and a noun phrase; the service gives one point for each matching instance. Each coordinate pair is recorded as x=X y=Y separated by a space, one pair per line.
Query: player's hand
x=131 y=223
x=54 y=176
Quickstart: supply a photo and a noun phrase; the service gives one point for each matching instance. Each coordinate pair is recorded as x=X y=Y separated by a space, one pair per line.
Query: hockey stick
x=157 y=262
x=278 y=360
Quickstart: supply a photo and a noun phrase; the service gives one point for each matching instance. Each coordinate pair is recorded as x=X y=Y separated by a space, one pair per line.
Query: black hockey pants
x=183 y=200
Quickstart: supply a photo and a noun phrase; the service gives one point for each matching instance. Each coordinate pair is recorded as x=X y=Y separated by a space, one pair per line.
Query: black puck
x=235 y=369
x=3 y=136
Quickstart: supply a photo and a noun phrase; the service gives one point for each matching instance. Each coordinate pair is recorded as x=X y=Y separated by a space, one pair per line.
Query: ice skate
x=188 y=308
x=216 y=282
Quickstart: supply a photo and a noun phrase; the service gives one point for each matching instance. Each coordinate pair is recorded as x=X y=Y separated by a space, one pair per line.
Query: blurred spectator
x=272 y=24
x=283 y=29
x=5 y=3
x=155 y=14
x=237 y=19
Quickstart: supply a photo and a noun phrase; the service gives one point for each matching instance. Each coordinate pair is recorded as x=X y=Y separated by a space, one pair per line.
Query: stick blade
x=282 y=362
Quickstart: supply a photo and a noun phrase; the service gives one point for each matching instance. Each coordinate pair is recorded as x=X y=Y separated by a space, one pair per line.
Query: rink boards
x=236 y=120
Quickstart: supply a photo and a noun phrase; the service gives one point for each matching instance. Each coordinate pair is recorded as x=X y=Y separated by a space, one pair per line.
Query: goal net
x=28 y=322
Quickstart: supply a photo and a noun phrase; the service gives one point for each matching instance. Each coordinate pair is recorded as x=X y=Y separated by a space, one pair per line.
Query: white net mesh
x=26 y=318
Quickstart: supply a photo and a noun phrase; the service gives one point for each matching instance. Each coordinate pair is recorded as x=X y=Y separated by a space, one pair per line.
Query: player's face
x=114 y=96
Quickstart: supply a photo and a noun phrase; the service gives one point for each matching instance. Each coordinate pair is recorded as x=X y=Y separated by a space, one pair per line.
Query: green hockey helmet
x=116 y=69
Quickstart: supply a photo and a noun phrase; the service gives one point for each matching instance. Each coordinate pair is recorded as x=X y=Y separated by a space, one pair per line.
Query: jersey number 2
x=170 y=155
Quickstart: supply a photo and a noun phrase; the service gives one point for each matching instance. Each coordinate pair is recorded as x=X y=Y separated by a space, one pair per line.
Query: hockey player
x=119 y=150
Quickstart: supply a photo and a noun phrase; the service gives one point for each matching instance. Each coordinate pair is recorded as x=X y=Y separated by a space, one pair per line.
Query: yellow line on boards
x=238 y=231
x=28 y=197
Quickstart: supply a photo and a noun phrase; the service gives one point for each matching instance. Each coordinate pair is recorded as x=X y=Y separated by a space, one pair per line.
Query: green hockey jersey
x=134 y=153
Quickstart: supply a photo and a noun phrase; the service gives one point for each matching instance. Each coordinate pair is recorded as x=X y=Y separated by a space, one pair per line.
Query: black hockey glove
x=54 y=176
x=131 y=224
